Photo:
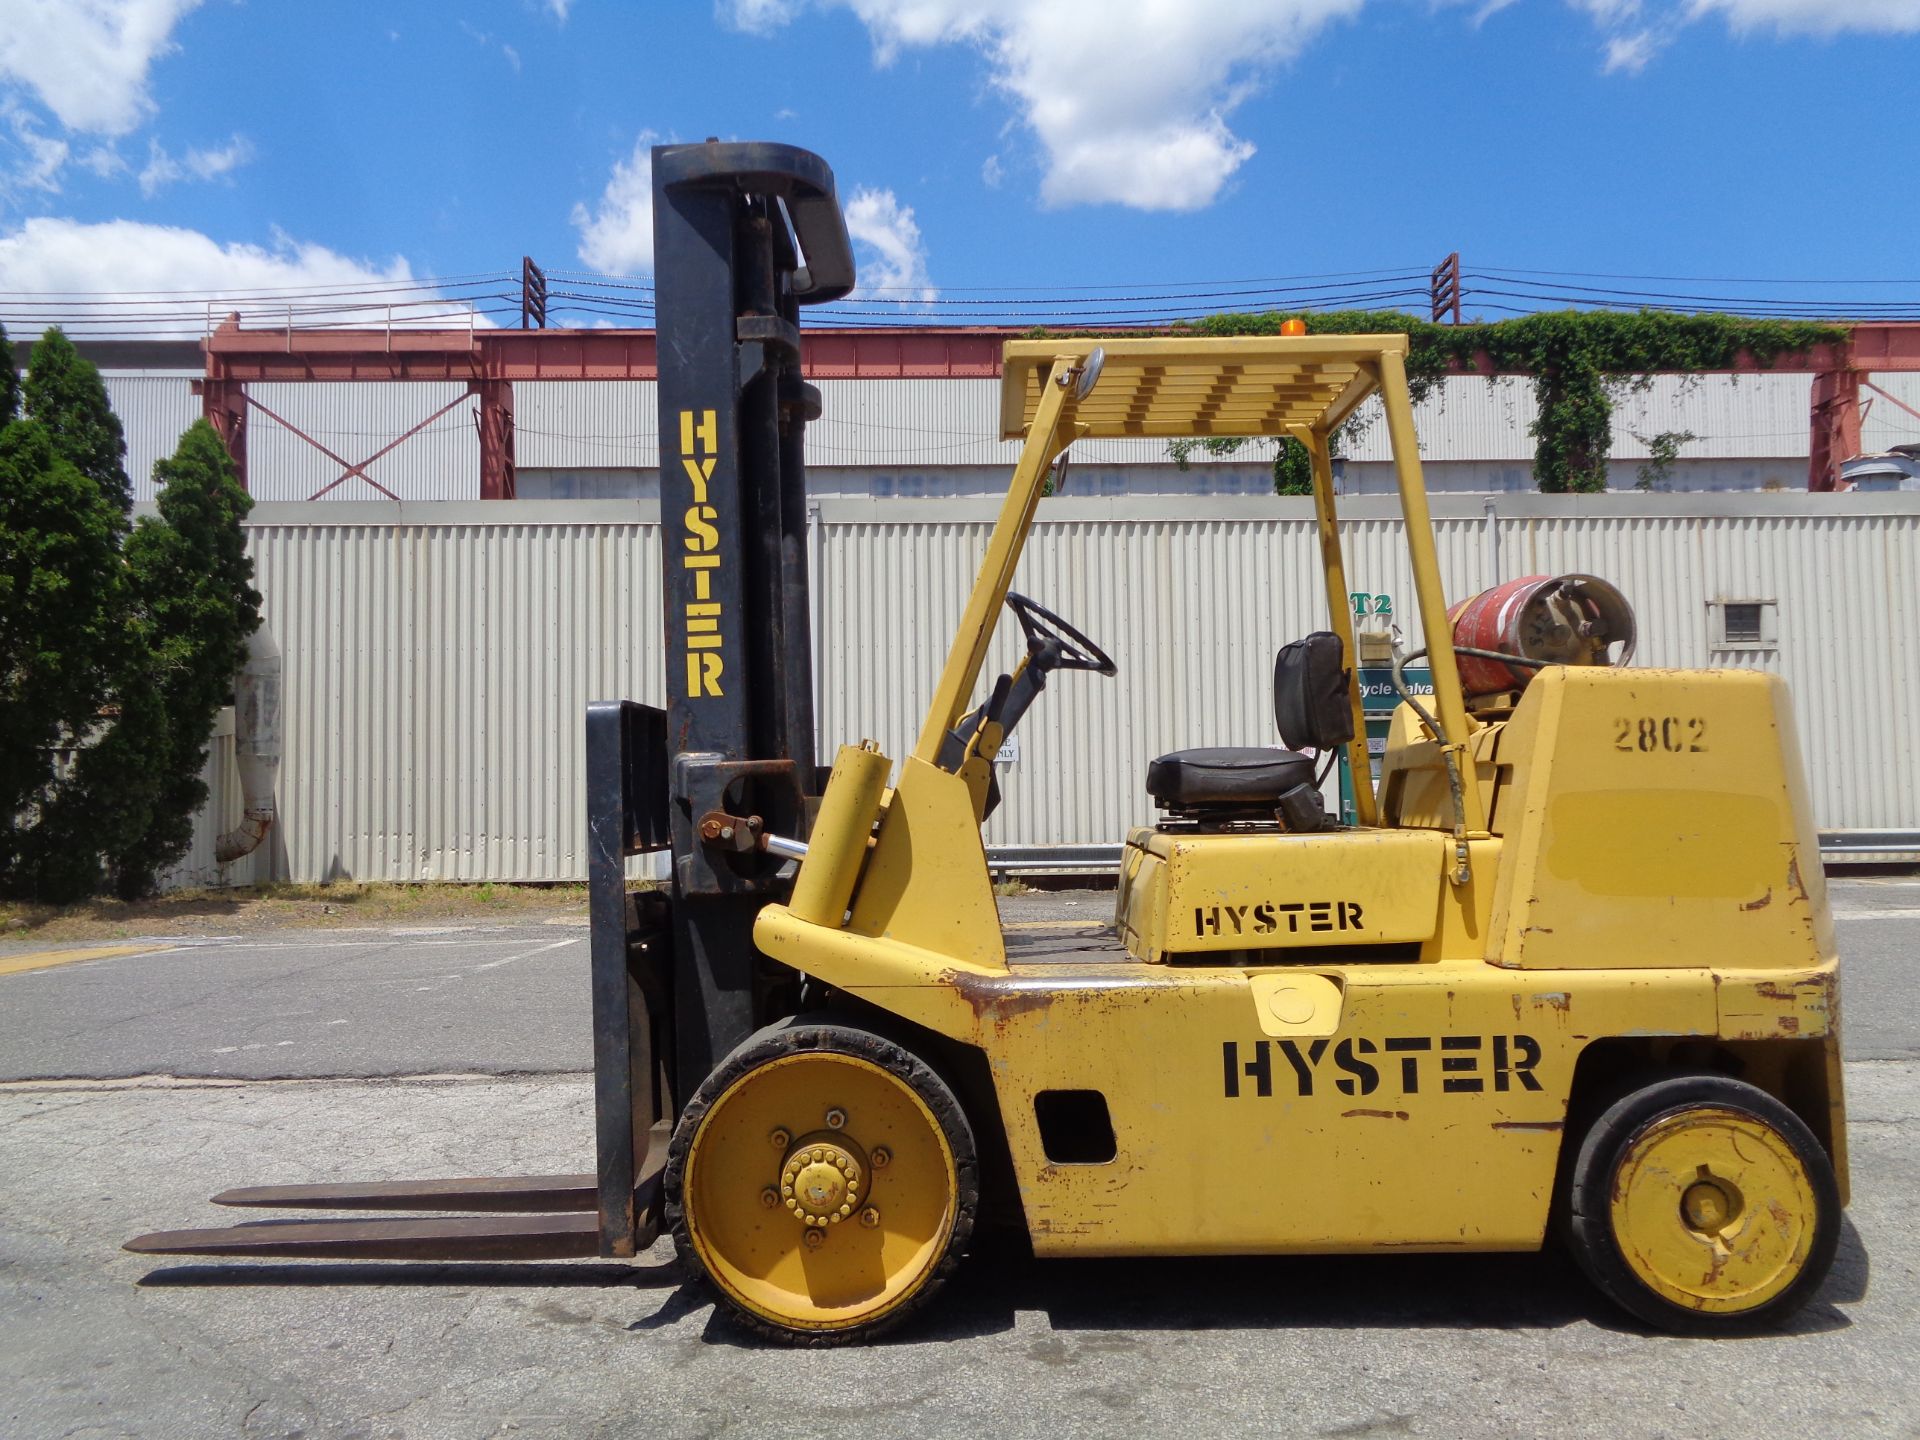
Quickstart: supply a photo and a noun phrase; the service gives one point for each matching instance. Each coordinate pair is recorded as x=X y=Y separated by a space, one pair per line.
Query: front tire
x=823 y=1181
x=1704 y=1206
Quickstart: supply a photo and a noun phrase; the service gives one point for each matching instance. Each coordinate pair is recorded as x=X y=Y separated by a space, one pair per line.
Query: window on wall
x=1743 y=625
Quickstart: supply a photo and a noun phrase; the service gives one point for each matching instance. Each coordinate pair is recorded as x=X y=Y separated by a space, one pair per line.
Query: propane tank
x=1560 y=619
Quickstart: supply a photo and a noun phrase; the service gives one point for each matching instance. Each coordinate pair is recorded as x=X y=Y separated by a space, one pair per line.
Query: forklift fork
x=614 y=1212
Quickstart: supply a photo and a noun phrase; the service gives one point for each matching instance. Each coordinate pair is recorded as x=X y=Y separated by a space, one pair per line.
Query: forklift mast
x=744 y=235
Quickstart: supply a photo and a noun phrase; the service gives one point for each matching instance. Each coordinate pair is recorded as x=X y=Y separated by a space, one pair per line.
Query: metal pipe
x=256 y=746
x=1469 y=816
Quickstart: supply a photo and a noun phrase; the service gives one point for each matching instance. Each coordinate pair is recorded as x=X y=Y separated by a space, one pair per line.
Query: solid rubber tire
x=1588 y=1209
x=832 y=1034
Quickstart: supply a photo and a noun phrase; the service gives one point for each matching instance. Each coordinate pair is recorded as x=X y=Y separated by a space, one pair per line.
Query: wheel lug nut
x=836 y=1118
x=768 y=1198
x=815 y=1238
x=882 y=1157
x=869 y=1218
x=779 y=1139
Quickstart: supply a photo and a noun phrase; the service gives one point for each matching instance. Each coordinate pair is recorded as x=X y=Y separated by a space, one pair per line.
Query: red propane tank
x=1562 y=619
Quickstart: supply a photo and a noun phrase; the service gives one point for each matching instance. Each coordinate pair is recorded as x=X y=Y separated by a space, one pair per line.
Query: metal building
x=916 y=438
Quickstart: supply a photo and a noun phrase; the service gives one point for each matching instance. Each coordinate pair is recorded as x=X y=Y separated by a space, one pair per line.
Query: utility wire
x=586 y=297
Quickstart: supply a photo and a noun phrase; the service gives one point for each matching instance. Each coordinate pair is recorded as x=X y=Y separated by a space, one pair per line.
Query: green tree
x=117 y=645
x=59 y=601
x=64 y=393
x=188 y=578
x=1662 y=451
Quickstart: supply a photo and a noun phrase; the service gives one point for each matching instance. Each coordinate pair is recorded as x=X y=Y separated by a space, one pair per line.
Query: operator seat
x=1229 y=784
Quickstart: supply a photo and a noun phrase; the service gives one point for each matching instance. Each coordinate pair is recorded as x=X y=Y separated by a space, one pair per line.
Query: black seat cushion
x=1189 y=779
x=1311 y=705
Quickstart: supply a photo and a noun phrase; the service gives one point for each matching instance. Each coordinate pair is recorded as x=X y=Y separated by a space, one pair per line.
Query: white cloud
x=166 y=280
x=1128 y=98
x=1629 y=53
x=162 y=169
x=559 y=9
x=1634 y=31
x=756 y=17
x=1609 y=12
x=617 y=234
x=104 y=161
x=1815 y=17
x=992 y=172
x=513 y=56
x=40 y=157
x=889 y=254
x=87 y=60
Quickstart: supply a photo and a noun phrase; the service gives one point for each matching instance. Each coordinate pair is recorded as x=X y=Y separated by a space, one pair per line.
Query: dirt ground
x=275 y=907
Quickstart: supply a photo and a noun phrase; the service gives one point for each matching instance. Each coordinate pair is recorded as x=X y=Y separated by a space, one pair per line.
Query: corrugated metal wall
x=154 y=411
x=562 y=425
x=439 y=658
x=438 y=662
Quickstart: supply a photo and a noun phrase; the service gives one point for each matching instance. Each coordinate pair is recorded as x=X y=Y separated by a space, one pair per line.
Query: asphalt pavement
x=132 y=1086
x=512 y=999
x=474 y=999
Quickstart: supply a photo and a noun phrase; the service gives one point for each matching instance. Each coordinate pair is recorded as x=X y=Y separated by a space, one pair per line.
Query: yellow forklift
x=1569 y=968
x=1573 y=962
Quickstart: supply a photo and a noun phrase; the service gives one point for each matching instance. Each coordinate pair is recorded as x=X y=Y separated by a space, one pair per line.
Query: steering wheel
x=1064 y=647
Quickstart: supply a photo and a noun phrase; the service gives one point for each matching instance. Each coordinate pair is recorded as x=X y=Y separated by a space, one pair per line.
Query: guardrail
x=1069 y=859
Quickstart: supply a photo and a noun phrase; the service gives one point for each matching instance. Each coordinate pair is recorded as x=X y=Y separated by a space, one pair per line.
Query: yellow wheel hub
x=1713 y=1210
x=870 y=1152
x=822 y=1182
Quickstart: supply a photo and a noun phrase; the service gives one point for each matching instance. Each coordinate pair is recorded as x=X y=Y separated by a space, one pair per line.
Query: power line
x=586 y=297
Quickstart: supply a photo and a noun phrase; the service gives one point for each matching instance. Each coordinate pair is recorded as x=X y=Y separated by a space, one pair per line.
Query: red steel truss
x=491 y=361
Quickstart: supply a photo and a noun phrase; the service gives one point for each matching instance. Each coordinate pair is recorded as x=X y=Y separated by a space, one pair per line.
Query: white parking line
x=1876 y=914
x=537 y=950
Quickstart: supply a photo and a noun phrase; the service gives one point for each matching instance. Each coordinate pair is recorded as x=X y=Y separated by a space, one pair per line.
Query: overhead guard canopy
x=1243 y=386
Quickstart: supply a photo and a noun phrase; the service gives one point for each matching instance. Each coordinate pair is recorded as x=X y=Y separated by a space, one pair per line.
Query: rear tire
x=1704 y=1206
x=758 y=1166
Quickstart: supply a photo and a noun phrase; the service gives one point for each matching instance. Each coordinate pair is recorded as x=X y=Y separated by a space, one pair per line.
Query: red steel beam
x=1836 y=427
x=252 y=356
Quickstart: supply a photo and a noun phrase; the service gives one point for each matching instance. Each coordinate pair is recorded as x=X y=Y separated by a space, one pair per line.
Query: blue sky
x=982 y=146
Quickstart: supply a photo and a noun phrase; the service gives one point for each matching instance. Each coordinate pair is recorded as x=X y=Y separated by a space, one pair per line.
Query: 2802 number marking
x=1652 y=734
